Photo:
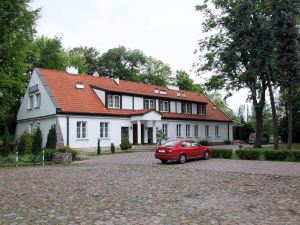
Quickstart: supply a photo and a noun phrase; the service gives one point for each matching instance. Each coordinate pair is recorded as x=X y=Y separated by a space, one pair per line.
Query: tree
x=238 y=52
x=5 y=145
x=48 y=53
x=17 y=27
x=184 y=82
x=286 y=35
x=156 y=72
x=21 y=145
x=75 y=58
x=37 y=142
x=51 y=138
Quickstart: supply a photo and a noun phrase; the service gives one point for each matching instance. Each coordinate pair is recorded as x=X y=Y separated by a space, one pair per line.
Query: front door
x=142 y=133
x=150 y=135
x=135 y=134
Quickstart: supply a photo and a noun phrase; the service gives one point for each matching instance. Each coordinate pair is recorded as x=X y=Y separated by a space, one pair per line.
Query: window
x=186 y=108
x=163 y=106
x=113 y=101
x=196 y=129
x=81 y=129
x=149 y=104
x=185 y=144
x=37 y=100
x=207 y=130
x=201 y=109
x=217 y=130
x=178 y=130
x=165 y=129
x=30 y=102
x=188 y=130
x=103 y=130
x=194 y=144
x=170 y=144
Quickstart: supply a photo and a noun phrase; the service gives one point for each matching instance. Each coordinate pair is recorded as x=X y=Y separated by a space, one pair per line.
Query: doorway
x=150 y=135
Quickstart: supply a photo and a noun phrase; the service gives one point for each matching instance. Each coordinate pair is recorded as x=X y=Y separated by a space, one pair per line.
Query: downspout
x=67 y=130
x=228 y=131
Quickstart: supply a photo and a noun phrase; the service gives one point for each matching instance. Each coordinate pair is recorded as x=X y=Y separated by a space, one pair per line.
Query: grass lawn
x=295 y=146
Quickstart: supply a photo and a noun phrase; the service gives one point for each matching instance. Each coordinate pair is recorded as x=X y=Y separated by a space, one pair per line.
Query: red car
x=181 y=151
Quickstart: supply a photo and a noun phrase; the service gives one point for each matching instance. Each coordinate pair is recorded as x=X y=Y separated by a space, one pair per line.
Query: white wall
x=44 y=124
x=100 y=94
x=93 y=131
x=127 y=102
x=138 y=103
x=47 y=107
x=178 y=107
x=223 y=128
x=194 y=108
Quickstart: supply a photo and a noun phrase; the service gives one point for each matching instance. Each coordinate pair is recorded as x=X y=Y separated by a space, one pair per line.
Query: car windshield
x=170 y=143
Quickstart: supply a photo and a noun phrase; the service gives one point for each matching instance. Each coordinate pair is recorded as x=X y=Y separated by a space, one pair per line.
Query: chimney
x=178 y=93
x=72 y=70
x=95 y=74
x=117 y=80
x=156 y=91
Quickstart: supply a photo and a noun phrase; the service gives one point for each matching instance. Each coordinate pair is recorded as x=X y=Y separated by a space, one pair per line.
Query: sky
x=165 y=30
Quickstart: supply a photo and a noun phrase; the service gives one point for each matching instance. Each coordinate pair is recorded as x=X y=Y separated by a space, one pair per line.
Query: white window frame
x=186 y=108
x=112 y=101
x=178 y=130
x=149 y=103
x=196 y=130
x=163 y=106
x=37 y=101
x=81 y=130
x=105 y=132
x=217 y=131
x=188 y=130
x=201 y=109
x=206 y=130
x=30 y=102
x=165 y=129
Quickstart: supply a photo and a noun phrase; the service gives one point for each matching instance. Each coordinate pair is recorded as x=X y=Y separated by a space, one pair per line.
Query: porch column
x=154 y=132
x=139 y=132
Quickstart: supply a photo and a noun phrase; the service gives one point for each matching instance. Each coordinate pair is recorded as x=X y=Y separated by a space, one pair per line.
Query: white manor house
x=85 y=108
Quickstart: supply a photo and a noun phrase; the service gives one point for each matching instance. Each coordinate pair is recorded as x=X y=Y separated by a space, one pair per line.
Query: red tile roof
x=85 y=101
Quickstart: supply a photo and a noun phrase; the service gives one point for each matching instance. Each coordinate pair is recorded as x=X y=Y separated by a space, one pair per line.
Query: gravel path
x=91 y=192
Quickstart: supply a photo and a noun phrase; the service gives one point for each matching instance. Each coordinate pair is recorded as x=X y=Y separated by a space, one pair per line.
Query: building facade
x=86 y=108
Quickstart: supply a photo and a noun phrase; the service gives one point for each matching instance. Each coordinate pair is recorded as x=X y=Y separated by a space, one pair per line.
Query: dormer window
x=163 y=106
x=30 y=102
x=149 y=104
x=186 y=108
x=113 y=101
x=201 y=109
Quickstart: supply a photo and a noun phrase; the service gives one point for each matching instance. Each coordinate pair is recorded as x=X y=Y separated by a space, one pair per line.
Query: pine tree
x=51 y=138
x=37 y=142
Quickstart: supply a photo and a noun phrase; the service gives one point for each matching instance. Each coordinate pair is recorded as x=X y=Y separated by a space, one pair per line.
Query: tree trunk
x=290 y=117
x=273 y=107
x=259 y=127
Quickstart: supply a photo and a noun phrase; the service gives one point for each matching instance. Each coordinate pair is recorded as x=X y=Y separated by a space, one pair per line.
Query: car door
x=185 y=148
x=195 y=149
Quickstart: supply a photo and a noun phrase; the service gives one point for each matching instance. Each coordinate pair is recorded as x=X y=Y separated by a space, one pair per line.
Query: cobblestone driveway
x=110 y=191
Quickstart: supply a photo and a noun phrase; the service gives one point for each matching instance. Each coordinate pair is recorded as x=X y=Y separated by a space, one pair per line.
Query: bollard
x=43 y=157
x=17 y=159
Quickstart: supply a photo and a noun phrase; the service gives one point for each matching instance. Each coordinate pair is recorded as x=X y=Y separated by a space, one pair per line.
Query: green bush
x=28 y=142
x=277 y=155
x=125 y=144
x=248 y=154
x=51 y=138
x=222 y=153
x=112 y=148
x=203 y=142
x=37 y=142
x=295 y=155
x=8 y=160
x=5 y=143
x=227 y=142
x=66 y=148
x=48 y=154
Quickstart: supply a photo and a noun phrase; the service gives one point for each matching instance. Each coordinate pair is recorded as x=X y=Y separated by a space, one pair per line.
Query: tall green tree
x=17 y=27
x=238 y=52
x=286 y=35
x=185 y=82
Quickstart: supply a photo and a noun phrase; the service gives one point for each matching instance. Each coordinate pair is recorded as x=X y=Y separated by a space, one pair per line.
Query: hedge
x=222 y=153
x=282 y=155
x=248 y=154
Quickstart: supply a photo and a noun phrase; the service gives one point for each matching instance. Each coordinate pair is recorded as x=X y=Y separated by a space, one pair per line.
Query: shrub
x=112 y=148
x=66 y=148
x=5 y=146
x=51 y=138
x=203 y=142
x=28 y=142
x=98 y=147
x=37 y=142
x=248 y=154
x=48 y=154
x=125 y=144
x=222 y=153
x=227 y=142
x=277 y=155
x=295 y=155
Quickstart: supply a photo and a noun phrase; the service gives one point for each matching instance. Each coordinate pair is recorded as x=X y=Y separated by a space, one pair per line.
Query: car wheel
x=206 y=155
x=182 y=159
x=163 y=161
